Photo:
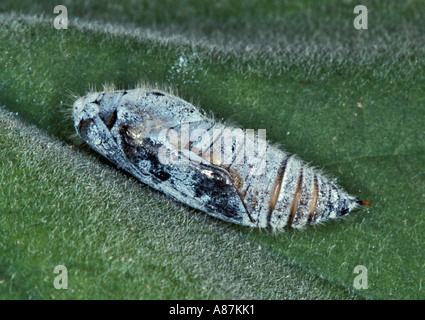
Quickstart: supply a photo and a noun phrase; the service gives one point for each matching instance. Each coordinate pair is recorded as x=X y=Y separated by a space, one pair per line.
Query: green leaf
x=348 y=101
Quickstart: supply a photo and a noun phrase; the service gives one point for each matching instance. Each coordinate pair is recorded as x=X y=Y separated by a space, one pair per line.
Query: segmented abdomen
x=280 y=190
x=168 y=144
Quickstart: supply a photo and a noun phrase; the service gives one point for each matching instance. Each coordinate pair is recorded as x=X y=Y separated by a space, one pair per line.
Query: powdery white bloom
x=231 y=174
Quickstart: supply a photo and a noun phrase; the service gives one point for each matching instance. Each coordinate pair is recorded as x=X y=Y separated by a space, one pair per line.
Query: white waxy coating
x=217 y=169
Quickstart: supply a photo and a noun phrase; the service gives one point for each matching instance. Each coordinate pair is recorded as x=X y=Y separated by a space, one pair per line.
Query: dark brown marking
x=156 y=93
x=111 y=120
x=225 y=171
x=330 y=205
x=313 y=201
x=276 y=189
x=295 y=202
x=83 y=126
x=237 y=181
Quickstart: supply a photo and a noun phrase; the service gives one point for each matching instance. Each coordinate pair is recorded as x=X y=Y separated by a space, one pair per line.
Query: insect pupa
x=168 y=144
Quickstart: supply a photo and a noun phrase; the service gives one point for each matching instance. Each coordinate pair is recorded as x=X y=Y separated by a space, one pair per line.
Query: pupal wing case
x=231 y=174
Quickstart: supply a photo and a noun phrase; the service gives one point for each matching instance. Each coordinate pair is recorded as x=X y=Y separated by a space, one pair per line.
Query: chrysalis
x=231 y=174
